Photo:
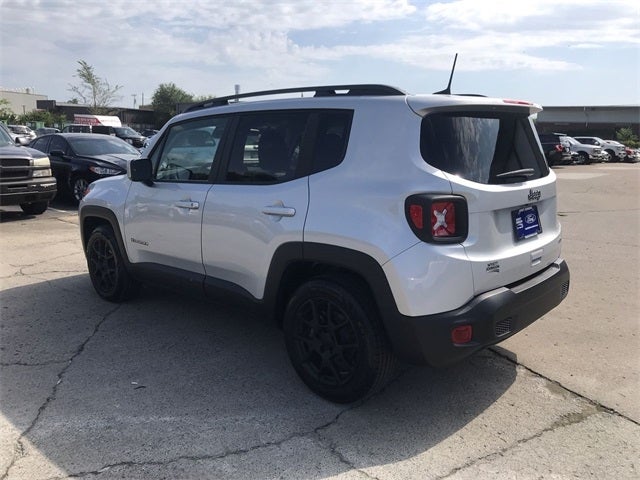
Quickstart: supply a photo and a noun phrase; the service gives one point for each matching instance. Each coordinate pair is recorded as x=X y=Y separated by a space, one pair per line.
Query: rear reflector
x=462 y=334
x=437 y=218
x=415 y=212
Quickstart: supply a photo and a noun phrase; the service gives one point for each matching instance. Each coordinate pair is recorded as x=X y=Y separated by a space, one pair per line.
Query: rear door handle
x=188 y=204
x=279 y=211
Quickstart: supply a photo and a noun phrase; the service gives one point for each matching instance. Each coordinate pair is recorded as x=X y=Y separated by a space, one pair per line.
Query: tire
x=584 y=157
x=335 y=340
x=79 y=185
x=612 y=156
x=107 y=269
x=35 y=208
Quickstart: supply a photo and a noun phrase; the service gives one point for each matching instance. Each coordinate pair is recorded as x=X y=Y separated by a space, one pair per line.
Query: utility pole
x=134 y=95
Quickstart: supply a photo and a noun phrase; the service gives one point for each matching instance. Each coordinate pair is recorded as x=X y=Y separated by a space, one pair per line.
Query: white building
x=21 y=100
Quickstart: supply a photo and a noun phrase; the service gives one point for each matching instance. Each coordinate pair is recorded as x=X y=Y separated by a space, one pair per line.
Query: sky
x=551 y=52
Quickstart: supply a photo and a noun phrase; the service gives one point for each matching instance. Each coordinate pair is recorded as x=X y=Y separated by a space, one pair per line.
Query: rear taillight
x=438 y=218
x=559 y=148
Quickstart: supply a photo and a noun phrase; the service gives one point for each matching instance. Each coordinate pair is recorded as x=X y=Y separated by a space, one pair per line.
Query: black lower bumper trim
x=494 y=316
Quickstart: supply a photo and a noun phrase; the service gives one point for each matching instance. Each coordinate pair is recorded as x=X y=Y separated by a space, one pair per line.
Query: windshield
x=5 y=138
x=126 y=131
x=482 y=147
x=100 y=146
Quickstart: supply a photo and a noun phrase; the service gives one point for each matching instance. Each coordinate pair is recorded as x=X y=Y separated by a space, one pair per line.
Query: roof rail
x=321 y=91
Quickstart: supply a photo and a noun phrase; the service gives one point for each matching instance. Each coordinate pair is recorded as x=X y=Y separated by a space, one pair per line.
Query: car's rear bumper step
x=493 y=316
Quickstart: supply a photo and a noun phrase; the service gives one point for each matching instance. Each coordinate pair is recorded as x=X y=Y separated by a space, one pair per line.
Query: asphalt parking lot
x=172 y=387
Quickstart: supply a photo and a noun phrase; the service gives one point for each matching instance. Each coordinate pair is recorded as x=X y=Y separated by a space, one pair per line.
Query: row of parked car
x=23 y=135
x=561 y=149
x=56 y=163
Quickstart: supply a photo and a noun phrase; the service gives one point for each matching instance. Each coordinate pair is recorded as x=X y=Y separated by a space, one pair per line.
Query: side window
x=58 y=143
x=189 y=150
x=40 y=144
x=266 y=147
x=331 y=139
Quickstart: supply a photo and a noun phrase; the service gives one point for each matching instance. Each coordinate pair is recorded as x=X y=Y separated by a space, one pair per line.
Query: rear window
x=489 y=148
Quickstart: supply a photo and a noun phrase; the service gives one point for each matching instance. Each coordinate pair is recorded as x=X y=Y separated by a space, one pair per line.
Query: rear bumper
x=494 y=316
x=29 y=191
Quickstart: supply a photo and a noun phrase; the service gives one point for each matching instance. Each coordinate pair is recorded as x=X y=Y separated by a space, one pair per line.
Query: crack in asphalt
x=19 y=449
x=21 y=273
x=590 y=409
x=600 y=406
x=315 y=432
x=22 y=266
x=26 y=364
x=562 y=422
x=192 y=458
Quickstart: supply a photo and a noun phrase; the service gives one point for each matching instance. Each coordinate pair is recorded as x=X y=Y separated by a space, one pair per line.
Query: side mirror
x=140 y=171
x=56 y=153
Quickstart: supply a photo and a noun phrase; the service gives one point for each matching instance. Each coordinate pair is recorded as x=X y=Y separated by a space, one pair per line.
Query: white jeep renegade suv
x=372 y=224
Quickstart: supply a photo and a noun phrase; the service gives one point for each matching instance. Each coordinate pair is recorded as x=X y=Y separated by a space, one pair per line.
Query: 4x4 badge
x=534 y=195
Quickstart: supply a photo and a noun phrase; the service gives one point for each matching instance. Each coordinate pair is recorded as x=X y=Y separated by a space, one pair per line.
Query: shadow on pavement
x=13 y=213
x=163 y=378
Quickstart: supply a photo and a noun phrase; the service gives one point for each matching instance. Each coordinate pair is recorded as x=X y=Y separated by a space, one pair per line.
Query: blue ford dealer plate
x=526 y=222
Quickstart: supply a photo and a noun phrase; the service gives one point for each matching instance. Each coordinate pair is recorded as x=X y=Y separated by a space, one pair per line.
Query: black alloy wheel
x=335 y=341
x=79 y=186
x=106 y=267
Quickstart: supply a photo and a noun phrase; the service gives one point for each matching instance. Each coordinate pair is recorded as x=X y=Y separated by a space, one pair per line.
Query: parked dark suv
x=554 y=150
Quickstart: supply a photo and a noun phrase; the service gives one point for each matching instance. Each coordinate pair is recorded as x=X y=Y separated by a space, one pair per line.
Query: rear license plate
x=526 y=222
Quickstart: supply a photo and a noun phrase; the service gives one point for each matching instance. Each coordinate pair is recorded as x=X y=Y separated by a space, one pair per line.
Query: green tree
x=6 y=114
x=94 y=90
x=627 y=137
x=49 y=119
x=202 y=98
x=165 y=99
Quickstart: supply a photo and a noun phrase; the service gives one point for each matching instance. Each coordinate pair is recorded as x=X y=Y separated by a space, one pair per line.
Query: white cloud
x=586 y=46
x=541 y=15
x=202 y=44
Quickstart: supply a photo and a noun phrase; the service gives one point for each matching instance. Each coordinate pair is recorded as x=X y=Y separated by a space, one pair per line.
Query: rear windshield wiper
x=523 y=172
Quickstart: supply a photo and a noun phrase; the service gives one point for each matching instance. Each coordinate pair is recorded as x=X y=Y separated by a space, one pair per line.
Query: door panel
x=163 y=221
x=163 y=224
x=261 y=201
x=243 y=225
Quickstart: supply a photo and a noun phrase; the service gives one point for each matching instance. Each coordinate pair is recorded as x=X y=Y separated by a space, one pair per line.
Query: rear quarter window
x=480 y=146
